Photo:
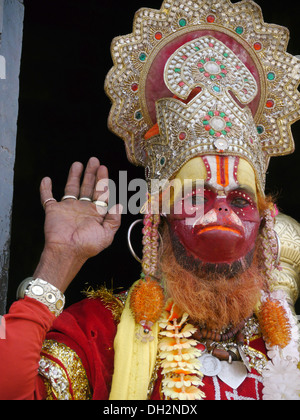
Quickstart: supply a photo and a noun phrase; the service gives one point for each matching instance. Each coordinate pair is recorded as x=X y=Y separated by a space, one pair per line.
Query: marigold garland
x=147 y=302
x=179 y=355
x=274 y=323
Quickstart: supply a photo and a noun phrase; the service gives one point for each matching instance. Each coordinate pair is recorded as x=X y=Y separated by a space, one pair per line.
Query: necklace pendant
x=210 y=365
x=233 y=374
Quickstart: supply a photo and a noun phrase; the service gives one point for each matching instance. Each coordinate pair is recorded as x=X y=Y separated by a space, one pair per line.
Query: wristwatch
x=44 y=292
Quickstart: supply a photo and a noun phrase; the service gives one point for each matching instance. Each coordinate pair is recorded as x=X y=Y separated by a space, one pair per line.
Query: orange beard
x=213 y=302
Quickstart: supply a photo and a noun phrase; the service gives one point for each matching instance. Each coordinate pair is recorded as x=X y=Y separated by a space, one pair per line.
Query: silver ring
x=69 y=197
x=48 y=201
x=85 y=199
x=100 y=203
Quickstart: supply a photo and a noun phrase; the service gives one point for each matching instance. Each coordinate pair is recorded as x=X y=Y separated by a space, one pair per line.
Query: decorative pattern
x=47 y=294
x=63 y=370
x=135 y=83
x=213 y=125
x=288 y=278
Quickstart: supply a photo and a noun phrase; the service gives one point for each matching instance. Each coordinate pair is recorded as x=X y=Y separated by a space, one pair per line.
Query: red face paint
x=216 y=229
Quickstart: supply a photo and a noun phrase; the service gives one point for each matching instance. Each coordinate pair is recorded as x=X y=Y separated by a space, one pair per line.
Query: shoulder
x=288 y=230
x=99 y=312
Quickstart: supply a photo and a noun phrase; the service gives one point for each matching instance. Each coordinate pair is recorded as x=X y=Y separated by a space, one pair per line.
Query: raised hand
x=75 y=228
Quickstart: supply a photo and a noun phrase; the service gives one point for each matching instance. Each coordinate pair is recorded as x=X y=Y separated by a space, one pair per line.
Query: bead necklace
x=233 y=344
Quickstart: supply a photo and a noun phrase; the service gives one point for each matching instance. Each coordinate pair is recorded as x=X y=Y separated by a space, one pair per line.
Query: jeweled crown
x=248 y=98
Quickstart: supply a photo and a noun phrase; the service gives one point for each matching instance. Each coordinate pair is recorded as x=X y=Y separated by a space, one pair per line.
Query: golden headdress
x=247 y=86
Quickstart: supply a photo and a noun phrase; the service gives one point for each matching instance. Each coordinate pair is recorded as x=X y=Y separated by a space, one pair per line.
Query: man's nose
x=222 y=207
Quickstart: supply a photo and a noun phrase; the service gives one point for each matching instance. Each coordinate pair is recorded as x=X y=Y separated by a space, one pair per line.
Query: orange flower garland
x=274 y=323
x=181 y=367
x=147 y=302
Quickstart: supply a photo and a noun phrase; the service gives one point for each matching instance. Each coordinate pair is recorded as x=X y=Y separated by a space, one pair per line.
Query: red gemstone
x=134 y=87
x=182 y=136
x=201 y=347
x=158 y=36
x=257 y=46
x=270 y=103
x=210 y=19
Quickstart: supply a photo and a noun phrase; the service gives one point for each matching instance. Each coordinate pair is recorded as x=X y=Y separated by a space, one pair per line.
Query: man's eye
x=197 y=200
x=240 y=202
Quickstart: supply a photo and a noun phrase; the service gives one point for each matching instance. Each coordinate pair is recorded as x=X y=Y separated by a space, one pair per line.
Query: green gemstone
x=213 y=59
x=216 y=89
x=202 y=70
x=212 y=77
x=182 y=23
x=222 y=67
x=229 y=124
x=271 y=76
x=212 y=132
x=162 y=161
x=222 y=114
x=225 y=55
x=260 y=129
x=177 y=70
x=202 y=61
x=205 y=122
x=224 y=132
x=211 y=113
x=143 y=57
x=197 y=48
x=239 y=30
x=138 y=115
x=223 y=74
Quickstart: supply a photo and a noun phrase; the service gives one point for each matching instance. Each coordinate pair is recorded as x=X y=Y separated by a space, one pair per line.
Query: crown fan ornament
x=144 y=73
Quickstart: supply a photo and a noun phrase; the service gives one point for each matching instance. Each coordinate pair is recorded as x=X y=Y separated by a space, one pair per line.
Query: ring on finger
x=85 y=199
x=100 y=203
x=48 y=201
x=69 y=197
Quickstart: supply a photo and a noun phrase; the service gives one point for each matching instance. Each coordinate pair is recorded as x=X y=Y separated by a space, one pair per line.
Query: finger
x=112 y=220
x=46 y=192
x=89 y=179
x=101 y=191
x=73 y=181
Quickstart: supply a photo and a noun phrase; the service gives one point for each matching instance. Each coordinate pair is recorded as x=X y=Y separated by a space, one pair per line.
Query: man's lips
x=200 y=230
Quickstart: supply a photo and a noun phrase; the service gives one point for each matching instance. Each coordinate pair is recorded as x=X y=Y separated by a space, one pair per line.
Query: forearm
x=58 y=267
x=26 y=326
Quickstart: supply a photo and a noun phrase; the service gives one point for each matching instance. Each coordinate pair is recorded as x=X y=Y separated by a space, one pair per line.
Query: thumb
x=112 y=220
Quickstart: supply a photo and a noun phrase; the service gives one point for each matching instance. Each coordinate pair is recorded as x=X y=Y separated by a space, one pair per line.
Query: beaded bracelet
x=44 y=292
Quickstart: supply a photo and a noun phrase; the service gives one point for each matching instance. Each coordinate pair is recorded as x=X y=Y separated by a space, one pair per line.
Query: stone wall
x=11 y=33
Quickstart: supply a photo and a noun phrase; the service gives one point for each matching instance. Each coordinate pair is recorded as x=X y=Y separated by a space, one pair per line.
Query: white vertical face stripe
x=223 y=172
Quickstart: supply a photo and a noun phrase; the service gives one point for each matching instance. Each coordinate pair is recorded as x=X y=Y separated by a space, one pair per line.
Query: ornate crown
x=248 y=83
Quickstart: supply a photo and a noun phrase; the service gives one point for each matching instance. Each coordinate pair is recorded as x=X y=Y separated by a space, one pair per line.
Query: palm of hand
x=79 y=227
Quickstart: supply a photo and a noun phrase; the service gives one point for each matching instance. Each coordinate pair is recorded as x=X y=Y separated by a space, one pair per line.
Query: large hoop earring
x=135 y=256
x=129 y=239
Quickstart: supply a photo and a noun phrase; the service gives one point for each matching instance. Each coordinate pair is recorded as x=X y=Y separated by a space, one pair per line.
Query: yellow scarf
x=134 y=360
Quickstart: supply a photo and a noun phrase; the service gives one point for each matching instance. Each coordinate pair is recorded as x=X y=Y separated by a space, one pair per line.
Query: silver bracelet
x=44 y=292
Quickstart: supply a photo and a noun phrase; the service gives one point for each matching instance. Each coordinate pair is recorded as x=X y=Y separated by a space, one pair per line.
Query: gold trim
x=64 y=376
x=114 y=302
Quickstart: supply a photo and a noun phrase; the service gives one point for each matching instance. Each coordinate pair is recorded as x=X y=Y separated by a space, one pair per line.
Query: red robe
x=89 y=329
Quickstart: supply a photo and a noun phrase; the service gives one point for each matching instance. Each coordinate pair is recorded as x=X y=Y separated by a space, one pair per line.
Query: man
x=203 y=95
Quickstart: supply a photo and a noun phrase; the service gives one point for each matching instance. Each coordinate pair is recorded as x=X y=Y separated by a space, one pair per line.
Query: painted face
x=216 y=221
